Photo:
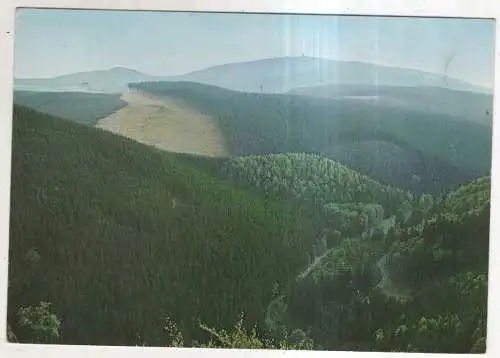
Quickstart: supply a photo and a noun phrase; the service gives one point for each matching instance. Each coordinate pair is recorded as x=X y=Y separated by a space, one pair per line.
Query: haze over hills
x=476 y=107
x=114 y=80
x=410 y=146
x=281 y=74
x=82 y=107
x=272 y=75
x=411 y=150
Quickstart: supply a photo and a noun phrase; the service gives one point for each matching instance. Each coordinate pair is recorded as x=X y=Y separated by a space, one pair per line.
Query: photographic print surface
x=251 y=181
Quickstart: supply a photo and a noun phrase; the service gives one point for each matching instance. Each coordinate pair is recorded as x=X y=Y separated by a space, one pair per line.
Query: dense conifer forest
x=279 y=246
x=409 y=149
x=86 y=108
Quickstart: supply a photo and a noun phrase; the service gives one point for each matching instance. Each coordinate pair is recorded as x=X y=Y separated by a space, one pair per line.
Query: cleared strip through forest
x=167 y=124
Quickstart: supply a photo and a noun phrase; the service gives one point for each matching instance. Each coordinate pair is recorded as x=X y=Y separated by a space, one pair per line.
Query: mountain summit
x=272 y=75
x=282 y=74
x=113 y=80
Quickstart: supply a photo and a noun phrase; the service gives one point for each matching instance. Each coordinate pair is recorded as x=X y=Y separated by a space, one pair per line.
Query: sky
x=56 y=42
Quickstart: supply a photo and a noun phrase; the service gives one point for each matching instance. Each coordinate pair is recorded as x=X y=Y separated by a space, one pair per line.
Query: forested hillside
x=463 y=105
x=428 y=294
x=116 y=235
x=134 y=245
x=312 y=178
x=420 y=152
x=86 y=108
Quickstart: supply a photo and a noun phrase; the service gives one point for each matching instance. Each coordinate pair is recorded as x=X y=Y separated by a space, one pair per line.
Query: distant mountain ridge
x=430 y=152
x=282 y=74
x=114 y=80
x=473 y=106
x=272 y=75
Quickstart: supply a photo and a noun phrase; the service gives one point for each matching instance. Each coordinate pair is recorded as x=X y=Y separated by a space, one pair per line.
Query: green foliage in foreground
x=85 y=108
x=238 y=337
x=116 y=234
x=44 y=327
x=38 y=324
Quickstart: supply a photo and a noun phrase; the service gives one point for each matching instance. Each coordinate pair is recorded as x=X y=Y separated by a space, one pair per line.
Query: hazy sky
x=55 y=42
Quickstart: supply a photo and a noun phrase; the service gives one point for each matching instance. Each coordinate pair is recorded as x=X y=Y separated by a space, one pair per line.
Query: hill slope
x=311 y=178
x=408 y=149
x=427 y=295
x=166 y=124
x=85 y=108
x=117 y=235
x=114 y=80
x=472 y=106
x=281 y=74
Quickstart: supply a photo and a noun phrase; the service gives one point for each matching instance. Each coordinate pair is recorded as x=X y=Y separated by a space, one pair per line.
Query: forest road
x=386 y=285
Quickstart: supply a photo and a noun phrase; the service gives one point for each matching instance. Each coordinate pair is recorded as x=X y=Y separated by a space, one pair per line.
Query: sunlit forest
x=279 y=245
x=414 y=150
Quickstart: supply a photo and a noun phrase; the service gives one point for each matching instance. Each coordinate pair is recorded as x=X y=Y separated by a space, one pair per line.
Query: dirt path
x=166 y=124
x=386 y=284
x=388 y=287
x=316 y=261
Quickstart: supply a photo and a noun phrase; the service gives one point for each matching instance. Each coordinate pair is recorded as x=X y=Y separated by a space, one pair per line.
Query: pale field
x=166 y=124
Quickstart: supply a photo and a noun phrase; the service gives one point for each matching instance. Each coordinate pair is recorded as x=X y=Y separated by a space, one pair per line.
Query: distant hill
x=412 y=150
x=312 y=178
x=473 y=106
x=402 y=145
x=282 y=74
x=273 y=75
x=82 y=107
x=114 y=80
